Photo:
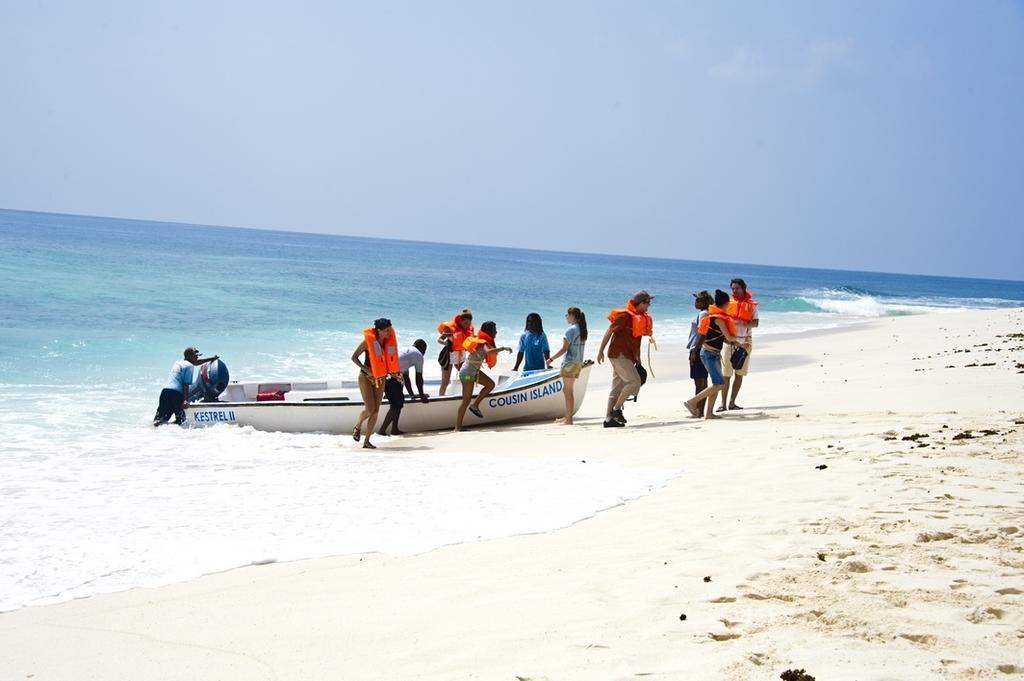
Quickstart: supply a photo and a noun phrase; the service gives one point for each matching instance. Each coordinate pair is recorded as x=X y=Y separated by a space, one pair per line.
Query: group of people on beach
x=720 y=344
x=719 y=348
x=384 y=371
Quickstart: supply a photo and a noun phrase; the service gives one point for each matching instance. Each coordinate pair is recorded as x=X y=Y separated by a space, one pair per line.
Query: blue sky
x=860 y=135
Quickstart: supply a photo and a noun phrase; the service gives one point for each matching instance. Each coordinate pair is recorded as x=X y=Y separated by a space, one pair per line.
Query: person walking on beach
x=377 y=359
x=533 y=345
x=742 y=309
x=572 y=347
x=714 y=330
x=698 y=372
x=625 y=329
x=407 y=359
x=452 y=335
x=174 y=396
x=479 y=348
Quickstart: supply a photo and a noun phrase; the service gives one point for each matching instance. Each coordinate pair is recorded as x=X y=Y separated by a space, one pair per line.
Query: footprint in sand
x=1009 y=591
x=920 y=639
x=723 y=637
x=980 y=615
x=758 y=658
x=723 y=599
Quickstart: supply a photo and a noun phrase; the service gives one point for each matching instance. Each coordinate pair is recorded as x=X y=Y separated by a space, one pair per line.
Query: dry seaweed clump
x=795 y=675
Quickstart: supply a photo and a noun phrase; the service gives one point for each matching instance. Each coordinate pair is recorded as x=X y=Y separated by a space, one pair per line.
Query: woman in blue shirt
x=572 y=347
x=533 y=345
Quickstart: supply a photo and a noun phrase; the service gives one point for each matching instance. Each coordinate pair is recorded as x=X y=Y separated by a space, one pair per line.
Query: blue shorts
x=713 y=363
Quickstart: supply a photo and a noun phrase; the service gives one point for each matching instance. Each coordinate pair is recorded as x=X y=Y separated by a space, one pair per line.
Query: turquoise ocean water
x=93 y=312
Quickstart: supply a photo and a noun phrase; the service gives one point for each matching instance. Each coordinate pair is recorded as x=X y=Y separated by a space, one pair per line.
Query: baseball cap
x=642 y=296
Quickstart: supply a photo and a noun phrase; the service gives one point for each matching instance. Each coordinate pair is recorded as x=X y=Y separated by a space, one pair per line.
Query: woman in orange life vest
x=377 y=359
x=479 y=349
x=743 y=310
x=451 y=336
x=714 y=330
x=626 y=328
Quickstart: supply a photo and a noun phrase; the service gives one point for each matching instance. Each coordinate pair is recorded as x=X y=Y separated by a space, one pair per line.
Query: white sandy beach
x=805 y=531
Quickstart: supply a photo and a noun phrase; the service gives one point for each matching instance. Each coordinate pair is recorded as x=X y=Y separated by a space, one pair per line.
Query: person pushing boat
x=377 y=359
x=479 y=348
x=451 y=336
x=174 y=396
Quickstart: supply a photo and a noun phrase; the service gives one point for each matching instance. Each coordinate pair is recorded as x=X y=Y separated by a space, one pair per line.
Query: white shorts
x=727 y=362
x=458 y=357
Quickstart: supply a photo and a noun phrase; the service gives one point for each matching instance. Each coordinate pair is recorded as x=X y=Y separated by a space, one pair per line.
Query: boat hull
x=533 y=397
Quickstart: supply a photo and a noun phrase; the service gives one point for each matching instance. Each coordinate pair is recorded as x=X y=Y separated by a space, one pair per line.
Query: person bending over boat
x=377 y=359
x=533 y=345
x=714 y=330
x=174 y=396
x=479 y=348
x=407 y=359
x=452 y=335
x=572 y=347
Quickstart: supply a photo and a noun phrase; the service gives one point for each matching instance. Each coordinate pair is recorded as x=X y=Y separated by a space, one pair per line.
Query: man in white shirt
x=174 y=396
x=407 y=359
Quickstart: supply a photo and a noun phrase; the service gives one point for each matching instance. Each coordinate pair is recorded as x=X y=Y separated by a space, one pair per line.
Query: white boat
x=334 y=406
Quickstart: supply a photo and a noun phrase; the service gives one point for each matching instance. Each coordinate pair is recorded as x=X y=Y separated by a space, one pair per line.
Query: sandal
x=356 y=433
x=475 y=411
x=367 y=445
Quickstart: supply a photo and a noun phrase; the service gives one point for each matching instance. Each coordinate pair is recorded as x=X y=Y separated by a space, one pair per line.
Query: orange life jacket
x=715 y=312
x=742 y=310
x=459 y=335
x=383 y=356
x=643 y=324
x=475 y=341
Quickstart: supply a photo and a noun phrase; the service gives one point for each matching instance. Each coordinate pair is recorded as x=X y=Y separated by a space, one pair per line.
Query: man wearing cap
x=698 y=372
x=625 y=329
x=174 y=396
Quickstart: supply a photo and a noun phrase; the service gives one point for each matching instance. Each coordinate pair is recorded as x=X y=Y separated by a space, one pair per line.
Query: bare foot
x=692 y=408
x=395 y=431
x=734 y=406
x=713 y=417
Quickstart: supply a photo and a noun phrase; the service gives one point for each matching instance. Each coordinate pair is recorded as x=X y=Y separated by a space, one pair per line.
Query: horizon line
x=284 y=230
